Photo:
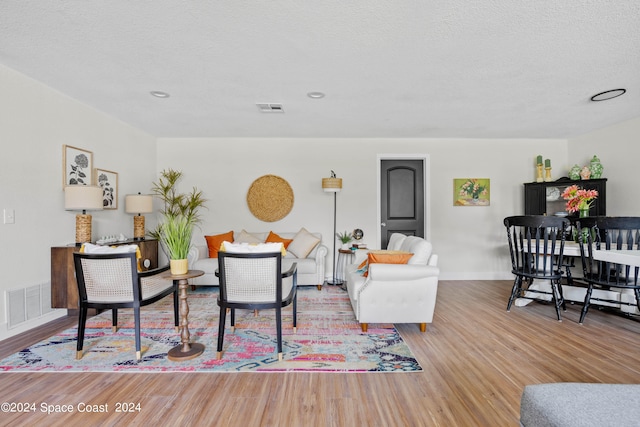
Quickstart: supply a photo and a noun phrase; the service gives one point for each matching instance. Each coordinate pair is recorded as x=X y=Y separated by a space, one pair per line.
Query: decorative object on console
x=357 y=234
x=539 y=169
x=595 y=167
x=585 y=173
x=179 y=217
x=547 y=168
x=138 y=204
x=108 y=181
x=77 y=165
x=333 y=185
x=270 y=198
x=574 y=173
x=579 y=199
x=82 y=198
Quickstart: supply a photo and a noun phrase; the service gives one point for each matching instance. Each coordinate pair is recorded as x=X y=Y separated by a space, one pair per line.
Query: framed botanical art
x=108 y=181
x=471 y=191
x=77 y=165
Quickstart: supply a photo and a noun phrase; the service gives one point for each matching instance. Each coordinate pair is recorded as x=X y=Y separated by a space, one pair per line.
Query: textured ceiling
x=428 y=68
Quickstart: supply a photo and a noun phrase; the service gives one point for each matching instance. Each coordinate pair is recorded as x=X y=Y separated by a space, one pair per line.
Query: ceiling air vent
x=271 y=108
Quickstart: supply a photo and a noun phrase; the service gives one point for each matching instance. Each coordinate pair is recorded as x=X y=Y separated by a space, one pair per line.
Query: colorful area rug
x=328 y=339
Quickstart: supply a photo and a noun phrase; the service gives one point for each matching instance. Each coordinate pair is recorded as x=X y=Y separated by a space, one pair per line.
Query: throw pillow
x=246 y=237
x=214 y=242
x=363 y=268
x=89 y=248
x=303 y=243
x=274 y=238
x=252 y=248
x=389 y=257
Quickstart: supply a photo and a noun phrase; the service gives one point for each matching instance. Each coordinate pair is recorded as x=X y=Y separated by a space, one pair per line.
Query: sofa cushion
x=90 y=248
x=388 y=257
x=214 y=242
x=274 y=238
x=395 y=241
x=246 y=237
x=252 y=248
x=303 y=243
x=420 y=248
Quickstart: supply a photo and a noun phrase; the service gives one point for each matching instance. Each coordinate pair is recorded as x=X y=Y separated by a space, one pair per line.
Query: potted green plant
x=345 y=238
x=179 y=215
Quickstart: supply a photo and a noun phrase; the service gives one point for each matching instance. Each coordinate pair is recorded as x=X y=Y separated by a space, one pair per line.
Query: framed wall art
x=108 y=181
x=471 y=191
x=77 y=165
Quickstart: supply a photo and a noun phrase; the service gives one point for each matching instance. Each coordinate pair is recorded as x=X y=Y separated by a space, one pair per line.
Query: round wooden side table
x=185 y=350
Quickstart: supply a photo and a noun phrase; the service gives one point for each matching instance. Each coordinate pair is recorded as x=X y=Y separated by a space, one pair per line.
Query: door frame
x=427 y=193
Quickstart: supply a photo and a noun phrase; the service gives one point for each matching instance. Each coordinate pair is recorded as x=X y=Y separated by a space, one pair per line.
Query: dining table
x=573 y=293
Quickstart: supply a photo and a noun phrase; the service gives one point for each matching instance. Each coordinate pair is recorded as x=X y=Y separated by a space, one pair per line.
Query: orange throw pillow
x=214 y=242
x=274 y=238
x=389 y=257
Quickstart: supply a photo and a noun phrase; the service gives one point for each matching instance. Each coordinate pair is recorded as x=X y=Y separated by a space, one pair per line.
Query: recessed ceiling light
x=159 y=94
x=315 y=95
x=609 y=94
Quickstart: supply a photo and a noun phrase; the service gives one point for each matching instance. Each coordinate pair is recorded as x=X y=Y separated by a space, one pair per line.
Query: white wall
x=469 y=240
x=618 y=148
x=35 y=121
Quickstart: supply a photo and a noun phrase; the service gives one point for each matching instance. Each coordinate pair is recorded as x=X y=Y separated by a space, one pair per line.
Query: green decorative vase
x=596 y=168
x=574 y=172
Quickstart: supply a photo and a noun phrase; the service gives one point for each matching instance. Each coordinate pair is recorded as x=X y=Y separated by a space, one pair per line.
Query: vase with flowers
x=579 y=200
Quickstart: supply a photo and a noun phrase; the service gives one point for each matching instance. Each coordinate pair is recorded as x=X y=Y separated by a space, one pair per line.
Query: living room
x=36 y=120
x=470 y=241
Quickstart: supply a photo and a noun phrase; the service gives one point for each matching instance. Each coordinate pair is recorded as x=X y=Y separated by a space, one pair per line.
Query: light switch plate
x=9 y=216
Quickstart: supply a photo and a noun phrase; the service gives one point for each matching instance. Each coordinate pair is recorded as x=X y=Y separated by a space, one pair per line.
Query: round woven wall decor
x=270 y=198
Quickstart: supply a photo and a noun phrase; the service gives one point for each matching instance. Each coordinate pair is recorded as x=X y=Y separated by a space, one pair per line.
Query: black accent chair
x=112 y=281
x=609 y=233
x=255 y=281
x=536 y=246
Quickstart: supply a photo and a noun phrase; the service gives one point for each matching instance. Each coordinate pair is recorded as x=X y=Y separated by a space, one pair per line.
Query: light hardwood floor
x=476 y=359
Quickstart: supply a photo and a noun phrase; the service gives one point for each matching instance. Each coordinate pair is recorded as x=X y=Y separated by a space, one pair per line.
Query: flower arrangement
x=473 y=189
x=578 y=199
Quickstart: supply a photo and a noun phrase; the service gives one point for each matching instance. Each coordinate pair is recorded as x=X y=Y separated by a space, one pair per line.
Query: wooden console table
x=64 y=288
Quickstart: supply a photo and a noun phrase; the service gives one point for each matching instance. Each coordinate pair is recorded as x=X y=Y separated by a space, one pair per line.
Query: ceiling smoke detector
x=270 y=108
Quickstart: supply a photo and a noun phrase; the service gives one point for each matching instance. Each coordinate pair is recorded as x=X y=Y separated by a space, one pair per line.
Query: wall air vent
x=270 y=108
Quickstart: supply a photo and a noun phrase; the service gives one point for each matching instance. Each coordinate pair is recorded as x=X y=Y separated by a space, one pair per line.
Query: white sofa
x=310 y=269
x=396 y=293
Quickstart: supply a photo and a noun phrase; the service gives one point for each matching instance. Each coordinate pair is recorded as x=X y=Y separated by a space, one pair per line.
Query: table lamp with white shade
x=138 y=204
x=83 y=198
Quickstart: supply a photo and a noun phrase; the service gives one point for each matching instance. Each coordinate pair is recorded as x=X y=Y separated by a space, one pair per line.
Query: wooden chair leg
x=364 y=326
x=319 y=287
x=423 y=327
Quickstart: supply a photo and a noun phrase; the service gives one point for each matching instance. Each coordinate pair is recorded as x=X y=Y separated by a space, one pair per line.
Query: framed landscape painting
x=471 y=191
x=77 y=165
x=108 y=181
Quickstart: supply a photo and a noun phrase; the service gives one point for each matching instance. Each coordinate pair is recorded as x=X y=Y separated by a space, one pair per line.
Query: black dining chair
x=536 y=246
x=609 y=233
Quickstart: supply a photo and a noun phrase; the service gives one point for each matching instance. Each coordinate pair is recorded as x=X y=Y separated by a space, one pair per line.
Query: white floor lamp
x=333 y=185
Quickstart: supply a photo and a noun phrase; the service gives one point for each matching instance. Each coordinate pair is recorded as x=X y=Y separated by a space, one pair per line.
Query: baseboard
x=5 y=332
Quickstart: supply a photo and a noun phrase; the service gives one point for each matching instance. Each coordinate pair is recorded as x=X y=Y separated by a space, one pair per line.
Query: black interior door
x=402 y=198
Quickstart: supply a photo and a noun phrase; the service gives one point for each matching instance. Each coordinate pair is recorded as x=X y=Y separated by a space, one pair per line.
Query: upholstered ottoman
x=580 y=405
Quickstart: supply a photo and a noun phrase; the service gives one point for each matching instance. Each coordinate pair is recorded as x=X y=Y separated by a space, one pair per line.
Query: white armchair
x=396 y=293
